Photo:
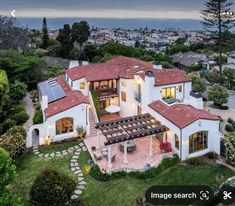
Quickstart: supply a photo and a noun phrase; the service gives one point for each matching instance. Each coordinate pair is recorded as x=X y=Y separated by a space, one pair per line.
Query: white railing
x=93 y=108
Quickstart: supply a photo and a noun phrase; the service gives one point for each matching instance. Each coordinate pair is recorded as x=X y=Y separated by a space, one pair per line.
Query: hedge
x=14 y=141
x=166 y=163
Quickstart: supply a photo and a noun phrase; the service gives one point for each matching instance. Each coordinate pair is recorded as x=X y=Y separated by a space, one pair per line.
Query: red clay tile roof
x=181 y=115
x=126 y=67
x=94 y=72
x=72 y=99
x=170 y=76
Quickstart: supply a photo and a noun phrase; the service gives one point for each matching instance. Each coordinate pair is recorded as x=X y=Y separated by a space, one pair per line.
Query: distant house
x=229 y=65
x=184 y=60
x=231 y=57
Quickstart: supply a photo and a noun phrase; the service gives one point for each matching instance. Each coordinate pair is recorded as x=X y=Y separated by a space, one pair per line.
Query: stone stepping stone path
x=76 y=170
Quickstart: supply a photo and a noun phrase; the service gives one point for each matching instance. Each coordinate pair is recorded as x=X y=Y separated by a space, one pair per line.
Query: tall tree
x=12 y=36
x=45 y=36
x=217 y=19
x=65 y=40
x=80 y=33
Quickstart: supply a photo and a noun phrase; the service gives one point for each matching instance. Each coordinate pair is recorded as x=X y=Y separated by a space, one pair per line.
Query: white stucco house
x=137 y=87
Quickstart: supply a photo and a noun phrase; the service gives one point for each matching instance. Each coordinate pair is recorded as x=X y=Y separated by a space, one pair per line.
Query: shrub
x=38 y=116
x=218 y=94
x=14 y=141
x=52 y=188
x=224 y=107
x=80 y=132
x=166 y=163
x=6 y=125
x=230 y=120
x=7 y=172
x=20 y=117
x=18 y=90
x=211 y=155
x=195 y=161
x=229 y=127
x=166 y=146
x=98 y=175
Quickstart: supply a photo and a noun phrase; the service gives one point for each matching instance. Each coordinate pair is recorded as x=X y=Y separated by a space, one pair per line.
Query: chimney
x=44 y=103
x=73 y=64
x=157 y=65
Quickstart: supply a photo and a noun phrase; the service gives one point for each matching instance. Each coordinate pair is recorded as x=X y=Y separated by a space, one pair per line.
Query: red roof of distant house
x=72 y=99
x=126 y=67
x=170 y=76
x=181 y=115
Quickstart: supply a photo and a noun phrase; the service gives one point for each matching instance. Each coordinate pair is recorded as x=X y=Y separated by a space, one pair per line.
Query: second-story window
x=71 y=84
x=169 y=93
x=180 y=88
x=123 y=96
x=82 y=85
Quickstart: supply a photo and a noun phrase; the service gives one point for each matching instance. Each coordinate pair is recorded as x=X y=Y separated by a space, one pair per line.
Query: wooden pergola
x=129 y=128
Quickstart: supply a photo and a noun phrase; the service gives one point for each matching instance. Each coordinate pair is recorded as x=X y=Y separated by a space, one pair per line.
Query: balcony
x=107 y=92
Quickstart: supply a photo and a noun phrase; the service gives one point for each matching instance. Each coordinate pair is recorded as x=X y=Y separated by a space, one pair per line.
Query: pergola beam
x=130 y=128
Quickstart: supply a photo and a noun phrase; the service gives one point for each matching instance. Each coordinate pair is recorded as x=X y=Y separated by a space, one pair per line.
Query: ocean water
x=56 y=23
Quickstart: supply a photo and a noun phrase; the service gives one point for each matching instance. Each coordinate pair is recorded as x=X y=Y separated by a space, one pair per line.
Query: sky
x=162 y=9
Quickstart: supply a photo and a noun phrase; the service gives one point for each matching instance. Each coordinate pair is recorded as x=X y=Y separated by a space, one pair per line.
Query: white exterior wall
x=76 y=86
x=153 y=93
x=79 y=115
x=129 y=107
x=201 y=125
x=213 y=137
x=173 y=129
x=48 y=128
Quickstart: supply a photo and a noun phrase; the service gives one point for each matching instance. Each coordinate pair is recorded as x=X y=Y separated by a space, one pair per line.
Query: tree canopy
x=198 y=84
x=217 y=20
x=218 y=94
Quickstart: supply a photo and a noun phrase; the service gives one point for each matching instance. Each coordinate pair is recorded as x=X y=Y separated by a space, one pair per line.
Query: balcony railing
x=107 y=92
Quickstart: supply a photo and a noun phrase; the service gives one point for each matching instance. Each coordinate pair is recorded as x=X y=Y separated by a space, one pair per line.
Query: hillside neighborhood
x=95 y=116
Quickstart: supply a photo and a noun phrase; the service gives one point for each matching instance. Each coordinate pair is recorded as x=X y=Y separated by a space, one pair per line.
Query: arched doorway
x=35 y=137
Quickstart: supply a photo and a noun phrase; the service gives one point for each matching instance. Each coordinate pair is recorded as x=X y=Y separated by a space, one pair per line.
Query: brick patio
x=137 y=160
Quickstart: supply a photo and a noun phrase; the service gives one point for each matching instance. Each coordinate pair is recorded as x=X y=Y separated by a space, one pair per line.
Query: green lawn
x=120 y=192
x=29 y=166
x=57 y=147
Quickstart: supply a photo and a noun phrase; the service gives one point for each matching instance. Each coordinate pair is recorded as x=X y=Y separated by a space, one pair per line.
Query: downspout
x=181 y=144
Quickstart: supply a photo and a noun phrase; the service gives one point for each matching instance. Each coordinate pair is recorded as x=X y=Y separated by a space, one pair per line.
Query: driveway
x=231 y=101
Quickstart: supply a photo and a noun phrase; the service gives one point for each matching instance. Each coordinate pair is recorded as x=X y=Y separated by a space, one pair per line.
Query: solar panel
x=52 y=90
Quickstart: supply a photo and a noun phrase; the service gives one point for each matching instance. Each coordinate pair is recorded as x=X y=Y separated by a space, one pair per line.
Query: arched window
x=198 y=141
x=64 y=125
x=177 y=145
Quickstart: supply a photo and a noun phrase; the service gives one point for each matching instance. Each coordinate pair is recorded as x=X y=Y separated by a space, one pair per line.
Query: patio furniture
x=104 y=151
x=97 y=155
x=131 y=146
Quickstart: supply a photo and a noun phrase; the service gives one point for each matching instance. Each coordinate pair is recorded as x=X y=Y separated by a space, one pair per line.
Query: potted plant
x=80 y=132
